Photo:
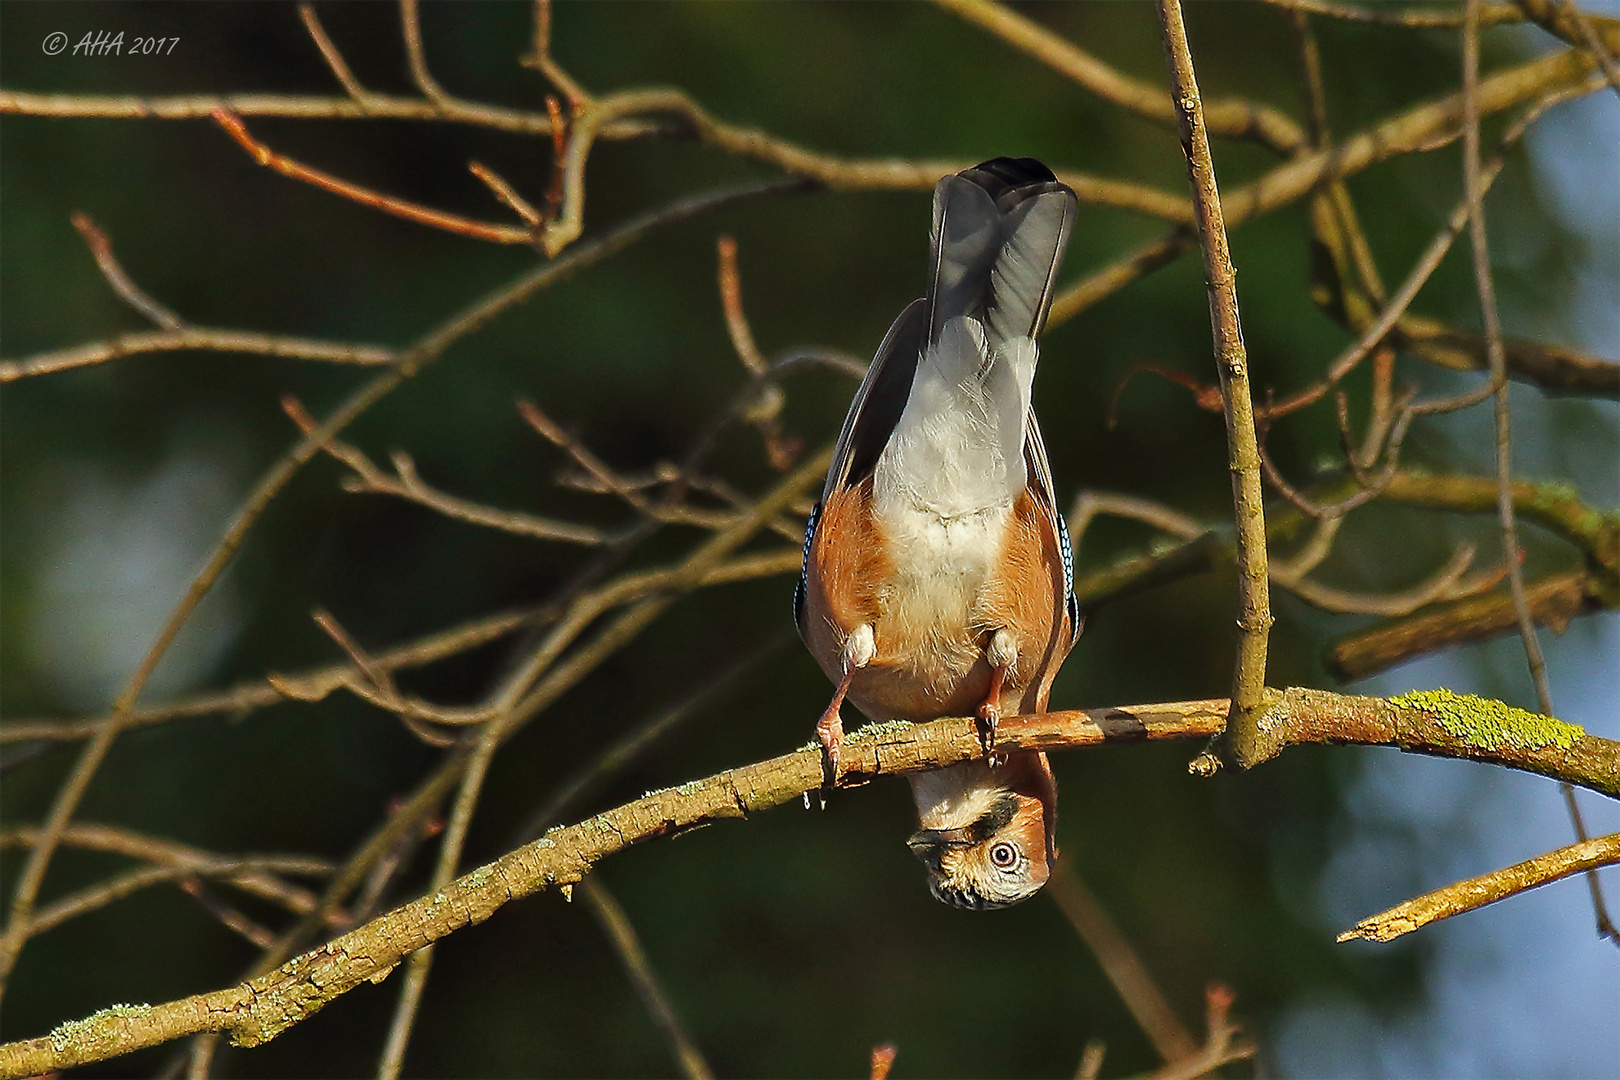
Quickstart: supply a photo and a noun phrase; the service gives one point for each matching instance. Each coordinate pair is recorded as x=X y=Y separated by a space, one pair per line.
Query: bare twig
x=388 y=204
x=507 y=194
x=450 y=848
x=329 y=52
x=1586 y=856
x=1589 y=35
x=1554 y=601
x=1412 y=17
x=229 y=917
x=1393 y=313
x=1121 y=964
x=195 y=338
x=628 y=748
x=311 y=685
x=127 y=290
x=1231 y=361
x=742 y=336
x=1223 y=1043
x=1237 y=118
x=370 y=106
x=411 y=27
x=407 y=484
x=1091 y=1060
x=642 y=976
x=1486 y=288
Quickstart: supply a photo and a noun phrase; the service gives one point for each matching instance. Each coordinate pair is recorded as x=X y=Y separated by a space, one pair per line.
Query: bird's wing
x=872 y=416
x=878 y=403
x=1040 y=475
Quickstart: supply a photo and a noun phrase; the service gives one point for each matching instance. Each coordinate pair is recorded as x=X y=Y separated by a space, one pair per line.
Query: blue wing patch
x=1076 y=621
x=803 y=583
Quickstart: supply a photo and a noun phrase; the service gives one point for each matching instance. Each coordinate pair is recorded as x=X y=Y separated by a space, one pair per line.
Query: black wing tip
x=1019 y=177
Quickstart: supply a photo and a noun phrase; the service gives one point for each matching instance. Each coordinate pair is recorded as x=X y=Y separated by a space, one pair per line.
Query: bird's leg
x=859 y=648
x=1002 y=653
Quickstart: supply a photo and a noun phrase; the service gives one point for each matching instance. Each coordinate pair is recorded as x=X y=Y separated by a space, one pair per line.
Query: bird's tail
x=999 y=232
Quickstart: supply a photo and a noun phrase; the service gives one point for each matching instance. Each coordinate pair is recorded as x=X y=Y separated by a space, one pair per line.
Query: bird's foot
x=1002 y=653
x=988 y=716
x=830 y=731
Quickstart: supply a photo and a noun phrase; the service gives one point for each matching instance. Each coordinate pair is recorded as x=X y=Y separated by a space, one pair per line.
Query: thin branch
x=1486 y=288
x=408 y=485
x=127 y=290
x=507 y=194
x=1096 y=287
x=742 y=335
x=1425 y=127
x=262 y=1008
x=1589 y=36
x=230 y=917
x=629 y=747
x=329 y=52
x=388 y=204
x=311 y=685
x=652 y=592
x=370 y=106
x=1237 y=118
x=645 y=979
x=1223 y=1042
x=1231 y=362
x=1091 y=1060
x=541 y=60
x=1393 y=314
x=1554 y=369
x=1584 y=857
x=1121 y=964
x=450 y=848
x=1415 y=18
x=1562 y=20
x=1554 y=601
x=195 y=338
x=411 y=26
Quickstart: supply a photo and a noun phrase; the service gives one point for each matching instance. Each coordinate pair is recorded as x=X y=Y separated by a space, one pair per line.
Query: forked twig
x=388 y=204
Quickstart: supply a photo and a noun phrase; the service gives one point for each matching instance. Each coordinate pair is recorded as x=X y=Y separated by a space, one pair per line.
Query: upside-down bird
x=937 y=574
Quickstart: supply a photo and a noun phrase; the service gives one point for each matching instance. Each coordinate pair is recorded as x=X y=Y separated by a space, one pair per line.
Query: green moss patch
x=1488 y=724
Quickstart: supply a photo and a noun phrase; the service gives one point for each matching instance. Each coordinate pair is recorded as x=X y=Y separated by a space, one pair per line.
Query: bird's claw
x=830 y=731
x=988 y=715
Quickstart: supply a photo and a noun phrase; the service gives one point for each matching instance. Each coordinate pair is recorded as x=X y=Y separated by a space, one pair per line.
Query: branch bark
x=255 y=1011
x=1476 y=892
x=1231 y=362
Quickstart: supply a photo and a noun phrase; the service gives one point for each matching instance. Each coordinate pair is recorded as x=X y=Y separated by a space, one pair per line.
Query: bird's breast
x=932 y=602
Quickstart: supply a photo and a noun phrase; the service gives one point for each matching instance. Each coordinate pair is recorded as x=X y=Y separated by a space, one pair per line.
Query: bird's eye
x=1004 y=856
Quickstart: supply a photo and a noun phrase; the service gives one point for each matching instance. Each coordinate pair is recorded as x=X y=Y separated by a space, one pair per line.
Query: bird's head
x=987 y=833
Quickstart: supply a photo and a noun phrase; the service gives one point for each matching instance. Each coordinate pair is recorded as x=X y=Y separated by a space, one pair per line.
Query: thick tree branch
x=1554 y=600
x=1437 y=723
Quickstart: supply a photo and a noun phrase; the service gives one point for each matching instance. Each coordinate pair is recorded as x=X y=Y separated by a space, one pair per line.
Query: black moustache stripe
x=928 y=844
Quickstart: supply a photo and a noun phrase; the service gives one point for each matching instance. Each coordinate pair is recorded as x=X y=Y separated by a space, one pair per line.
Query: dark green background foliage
x=793 y=942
